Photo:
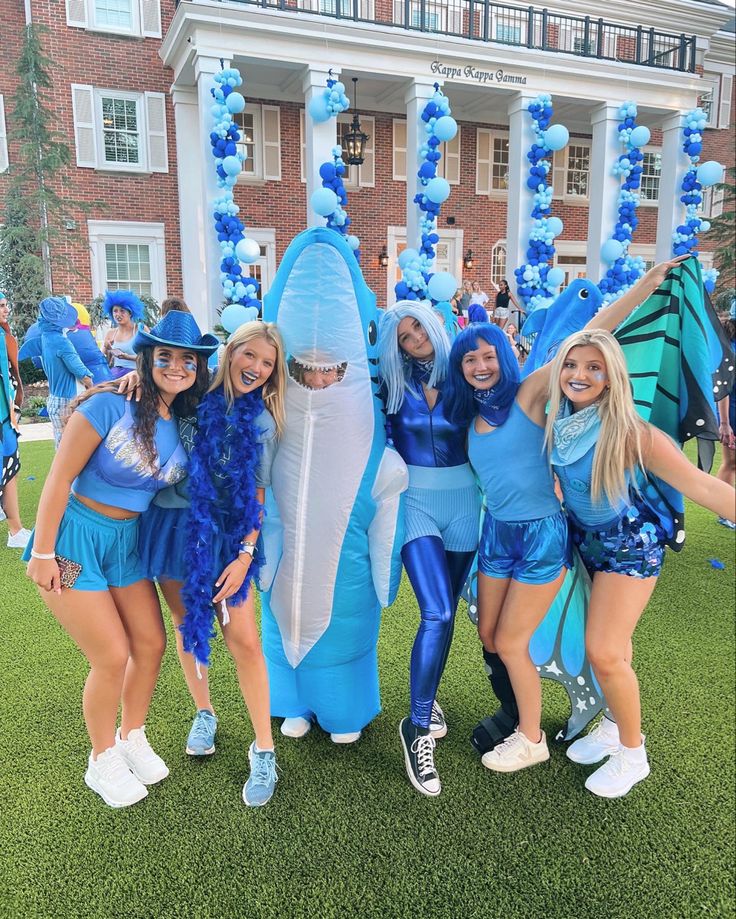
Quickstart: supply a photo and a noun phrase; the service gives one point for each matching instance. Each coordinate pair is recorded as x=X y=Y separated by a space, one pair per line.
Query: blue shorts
x=443 y=502
x=162 y=539
x=529 y=551
x=107 y=549
x=633 y=546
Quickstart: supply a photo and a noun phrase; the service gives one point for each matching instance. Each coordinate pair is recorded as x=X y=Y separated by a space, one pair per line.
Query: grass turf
x=345 y=834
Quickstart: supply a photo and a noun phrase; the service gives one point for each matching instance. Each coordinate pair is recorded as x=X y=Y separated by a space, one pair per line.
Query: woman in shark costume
x=332 y=530
x=442 y=513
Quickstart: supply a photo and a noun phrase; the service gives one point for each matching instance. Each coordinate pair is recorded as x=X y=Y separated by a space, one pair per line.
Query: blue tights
x=437 y=577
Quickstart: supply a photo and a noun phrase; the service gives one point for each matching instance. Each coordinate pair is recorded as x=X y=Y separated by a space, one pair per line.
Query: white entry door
x=448 y=256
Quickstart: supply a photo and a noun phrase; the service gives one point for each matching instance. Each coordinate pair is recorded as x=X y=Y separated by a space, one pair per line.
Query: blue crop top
x=424 y=436
x=116 y=474
x=512 y=466
x=575 y=481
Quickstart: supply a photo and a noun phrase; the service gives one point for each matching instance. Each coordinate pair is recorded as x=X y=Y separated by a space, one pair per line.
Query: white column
x=603 y=186
x=319 y=138
x=671 y=210
x=193 y=223
x=519 y=206
x=209 y=253
x=416 y=97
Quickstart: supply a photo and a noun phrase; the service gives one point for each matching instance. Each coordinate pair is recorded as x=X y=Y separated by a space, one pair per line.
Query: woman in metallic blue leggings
x=442 y=513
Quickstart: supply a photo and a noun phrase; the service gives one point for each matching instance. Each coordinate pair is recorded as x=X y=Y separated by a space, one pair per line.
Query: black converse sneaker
x=418 y=746
x=437 y=723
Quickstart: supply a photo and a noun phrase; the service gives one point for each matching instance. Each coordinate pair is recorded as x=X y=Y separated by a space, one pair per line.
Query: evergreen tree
x=723 y=231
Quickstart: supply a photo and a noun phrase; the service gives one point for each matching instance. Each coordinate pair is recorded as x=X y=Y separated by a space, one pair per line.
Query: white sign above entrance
x=476 y=75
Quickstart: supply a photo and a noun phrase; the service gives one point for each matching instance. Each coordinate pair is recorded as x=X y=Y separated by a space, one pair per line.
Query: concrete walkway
x=40 y=431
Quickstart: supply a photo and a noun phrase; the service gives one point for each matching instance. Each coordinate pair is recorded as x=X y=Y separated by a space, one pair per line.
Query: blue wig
x=460 y=406
x=444 y=309
x=477 y=313
x=393 y=364
x=125 y=299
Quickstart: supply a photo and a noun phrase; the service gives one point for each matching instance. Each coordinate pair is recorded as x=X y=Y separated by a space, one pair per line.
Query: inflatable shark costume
x=333 y=527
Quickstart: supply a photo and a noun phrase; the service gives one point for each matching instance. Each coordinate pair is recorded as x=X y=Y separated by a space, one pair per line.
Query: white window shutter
x=399 y=165
x=452 y=158
x=85 y=135
x=271 y=122
x=367 y=172
x=151 y=18
x=724 y=109
x=158 y=154
x=4 y=161
x=716 y=207
x=482 y=161
x=76 y=13
x=559 y=173
x=302 y=146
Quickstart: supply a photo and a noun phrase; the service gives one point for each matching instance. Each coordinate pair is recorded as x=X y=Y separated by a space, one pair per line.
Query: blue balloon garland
x=416 y=264
x=533 y=285
x=331 y=200
x=236 y=288
x=624 y=269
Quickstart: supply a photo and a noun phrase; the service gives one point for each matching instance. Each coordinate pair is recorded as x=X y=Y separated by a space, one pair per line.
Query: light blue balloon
x=442 y=286
x=555 y=277
x=611 y=250
x=556 y=136
x=353 y=242
x=318 y=109
x=323 y=201
x=437 y=190
x=710 y=173
x=407 y=255
x=640 y=136
x=233 y=316
x=445 y=128
x=555 y=226
x=235 y=103
x=231 y=165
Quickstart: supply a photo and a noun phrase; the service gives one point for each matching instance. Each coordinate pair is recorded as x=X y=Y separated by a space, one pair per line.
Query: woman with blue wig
x=442 y=510
x=125 y=310
x=525 y=544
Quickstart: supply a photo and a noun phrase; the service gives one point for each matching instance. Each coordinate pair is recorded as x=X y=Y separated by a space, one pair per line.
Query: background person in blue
x=113 y=458
x=442 y=511
x=87 y=348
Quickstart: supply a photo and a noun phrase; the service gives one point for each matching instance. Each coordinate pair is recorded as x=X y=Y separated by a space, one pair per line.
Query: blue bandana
x=489 y=408
x=575 y=433
x=421 y=371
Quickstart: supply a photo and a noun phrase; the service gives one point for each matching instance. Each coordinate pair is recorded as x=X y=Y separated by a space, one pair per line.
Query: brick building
x=131 y=93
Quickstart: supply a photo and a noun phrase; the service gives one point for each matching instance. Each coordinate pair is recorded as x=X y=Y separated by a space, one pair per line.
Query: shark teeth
x=298 y=368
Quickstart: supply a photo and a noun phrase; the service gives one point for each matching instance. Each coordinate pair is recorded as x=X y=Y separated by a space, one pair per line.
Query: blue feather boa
x=223 y=508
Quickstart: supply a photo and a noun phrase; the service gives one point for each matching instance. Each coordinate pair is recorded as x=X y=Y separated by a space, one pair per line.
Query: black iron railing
x=514 y=26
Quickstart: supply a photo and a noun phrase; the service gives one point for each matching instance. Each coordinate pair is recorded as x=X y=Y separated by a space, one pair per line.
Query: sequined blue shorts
x=633 y=546
x=530 y=551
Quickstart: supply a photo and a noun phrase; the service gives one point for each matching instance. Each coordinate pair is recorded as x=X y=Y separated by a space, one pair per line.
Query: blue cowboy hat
x=58 y=312
x=177 y=330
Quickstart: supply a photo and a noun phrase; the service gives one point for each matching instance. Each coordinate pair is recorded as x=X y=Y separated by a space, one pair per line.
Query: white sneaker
x=437 y=723
x=618 y=775
x=296 y=727
x=113 y=781
x=146 y=766
x=20 y=539
x=598 y=743
x=516 y=752
x=346 y=738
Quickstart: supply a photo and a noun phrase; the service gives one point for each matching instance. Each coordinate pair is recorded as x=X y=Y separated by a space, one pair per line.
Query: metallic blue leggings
x=437 y=577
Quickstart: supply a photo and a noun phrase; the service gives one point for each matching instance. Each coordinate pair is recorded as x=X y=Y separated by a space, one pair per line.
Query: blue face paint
x=600 y=377
x=163 y=363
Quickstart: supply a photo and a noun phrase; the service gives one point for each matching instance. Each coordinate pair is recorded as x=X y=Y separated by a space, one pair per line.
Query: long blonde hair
x=619 y=446
x=275 y=386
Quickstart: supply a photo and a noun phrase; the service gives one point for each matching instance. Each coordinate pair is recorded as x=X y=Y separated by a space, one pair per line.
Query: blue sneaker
x=201 y=740
x=260 y=786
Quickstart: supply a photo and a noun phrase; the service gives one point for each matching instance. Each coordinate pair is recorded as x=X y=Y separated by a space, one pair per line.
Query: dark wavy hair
x=146 y=415
x=460 y=407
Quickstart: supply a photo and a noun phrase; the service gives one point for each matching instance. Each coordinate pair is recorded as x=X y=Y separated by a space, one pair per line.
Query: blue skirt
x=162 y=538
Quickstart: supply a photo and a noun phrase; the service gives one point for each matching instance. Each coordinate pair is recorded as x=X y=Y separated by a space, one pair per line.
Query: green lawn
x=346 y=835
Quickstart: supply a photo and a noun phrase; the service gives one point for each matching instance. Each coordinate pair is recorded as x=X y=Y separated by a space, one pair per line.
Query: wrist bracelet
x=247 y=548
x=43 y=556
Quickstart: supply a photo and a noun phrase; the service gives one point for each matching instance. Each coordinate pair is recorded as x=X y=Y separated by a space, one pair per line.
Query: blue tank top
x=127 y=347
x=575 y=481
x=116 y=473
x=424 y=436
x=512 y=466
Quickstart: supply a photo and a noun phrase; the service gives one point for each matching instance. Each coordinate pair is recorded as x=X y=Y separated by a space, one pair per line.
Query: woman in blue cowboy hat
x=114 y=457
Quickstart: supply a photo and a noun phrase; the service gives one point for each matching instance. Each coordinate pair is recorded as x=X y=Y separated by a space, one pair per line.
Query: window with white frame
x=128 y=256
x=577 y=173
x=448 y=166
x=715 y=98
x=363 y=176
x=651 y=168
x=122 y=17
x=492 y=162
x=260 y=141
x=498 y=262
x=4 y=161
x=119 y=130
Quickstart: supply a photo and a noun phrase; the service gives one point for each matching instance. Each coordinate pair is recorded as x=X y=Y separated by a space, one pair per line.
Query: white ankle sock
x=257 y=749
x=635 y=754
